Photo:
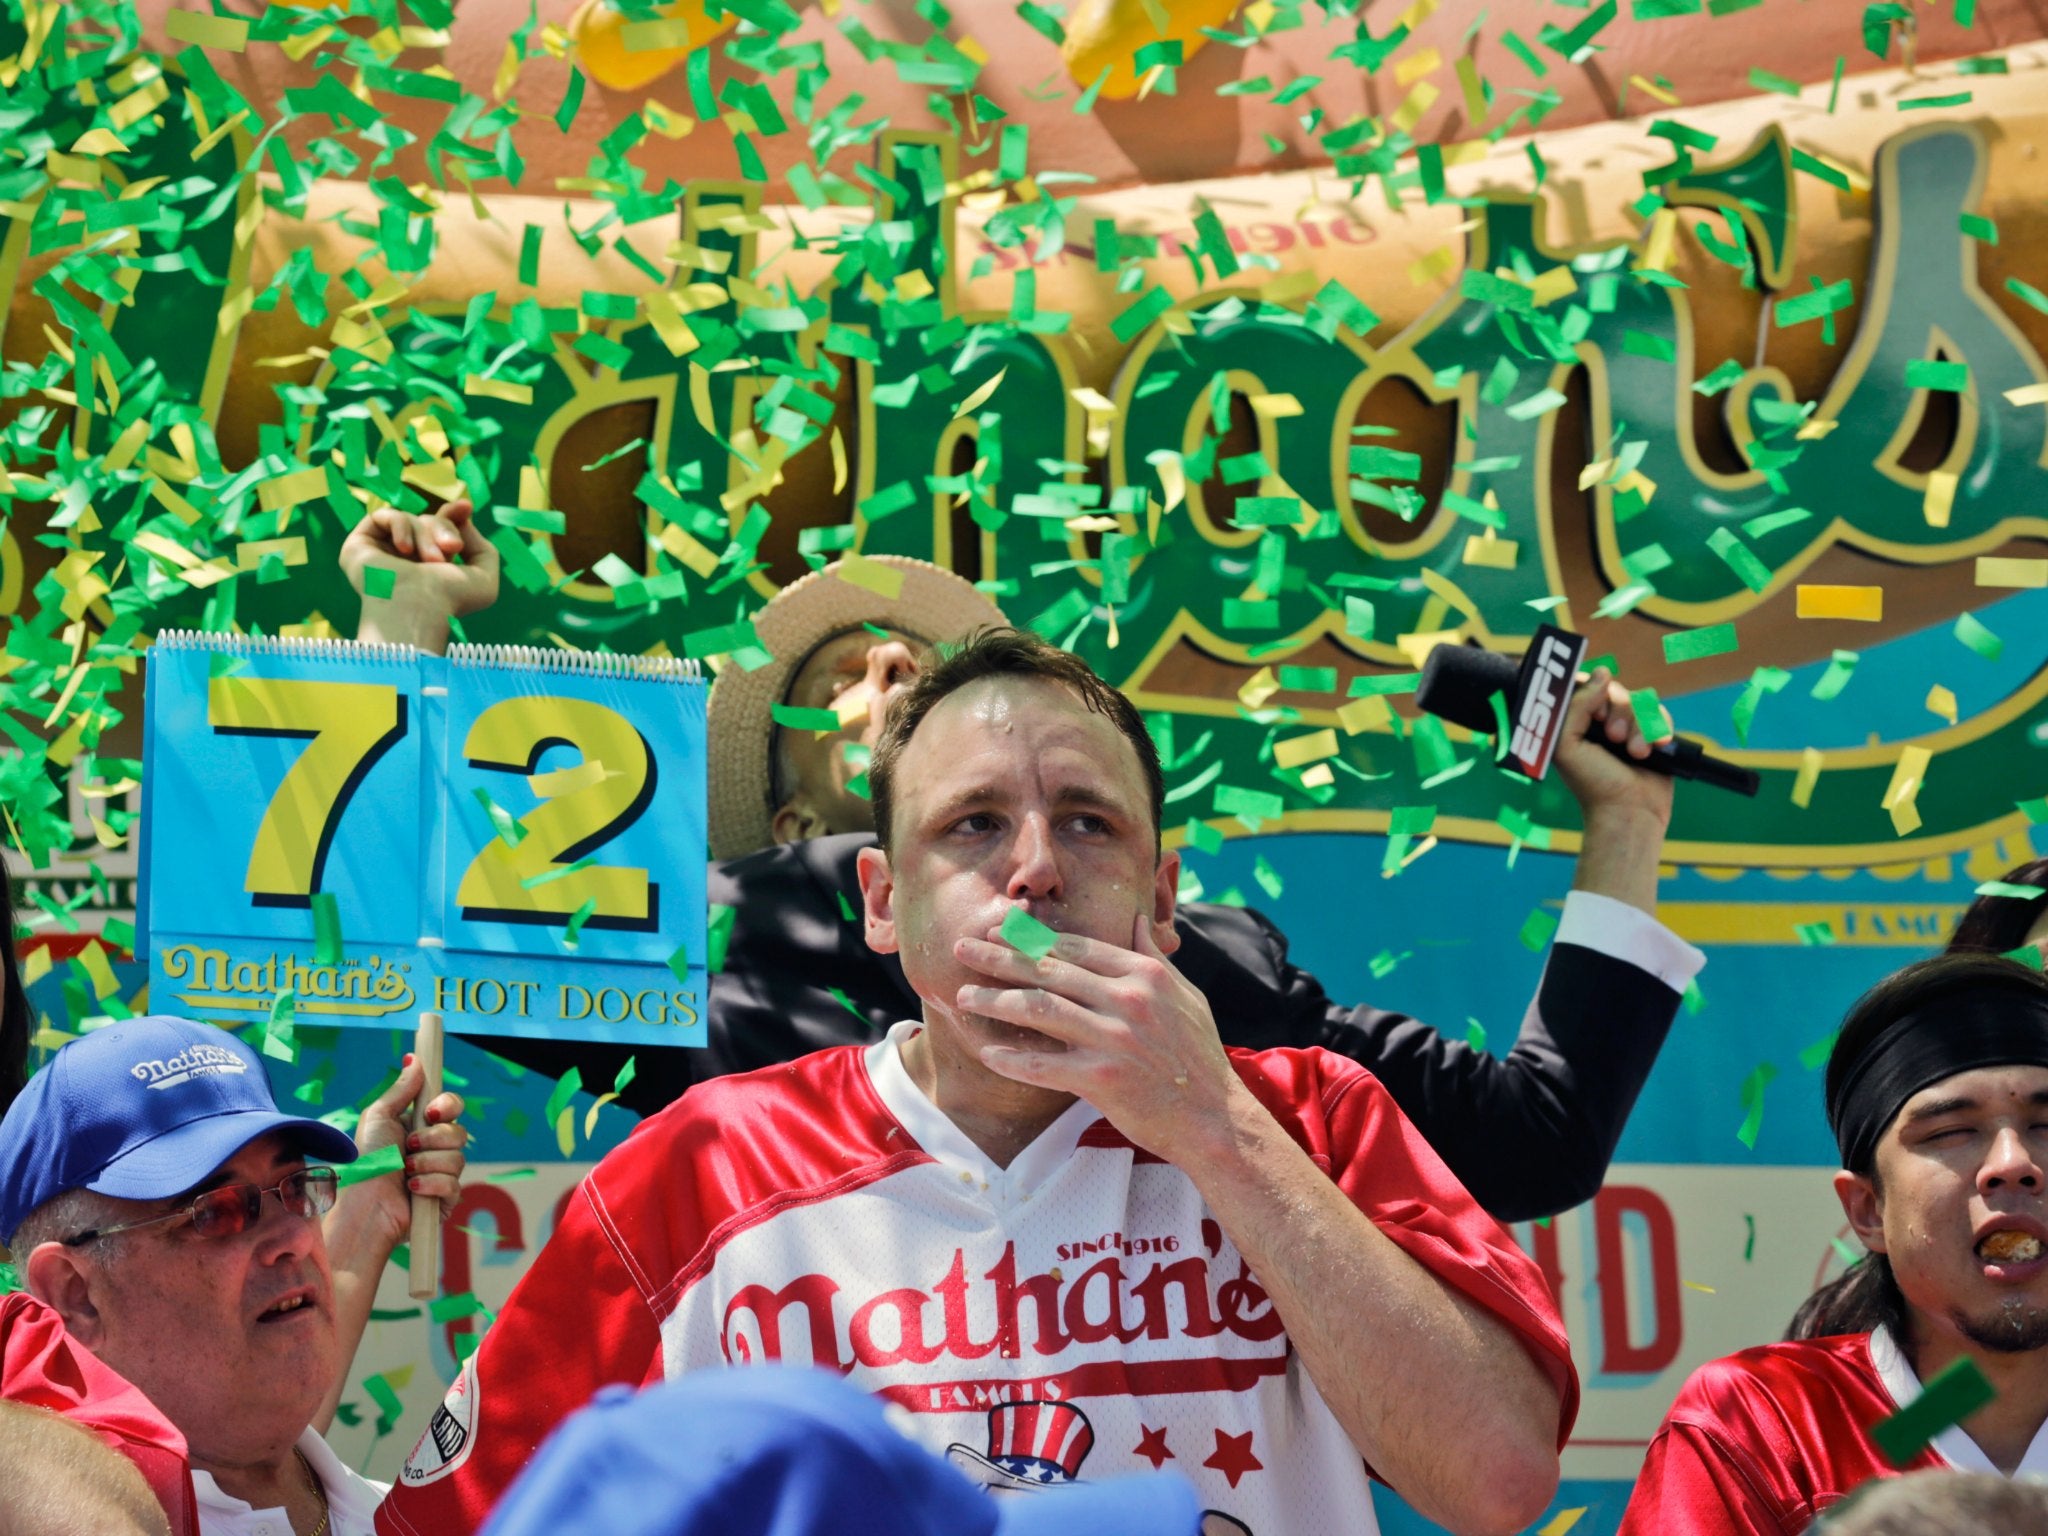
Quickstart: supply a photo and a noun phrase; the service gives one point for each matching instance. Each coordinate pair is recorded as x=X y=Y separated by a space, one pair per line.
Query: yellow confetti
x=1808 y=776
x=2027 y=394
x=1907 y=778
x=36 y=965
x=1363 y=714
x=94 y=959
x=1262 y=687
x=1300 y=751
x=1563 y=1521
x=979 y=398
x=1654 y=91
x=1942 y=701
x=688 y=551
x=885 y=581
x=1411 y=69
x=1431 y=268
x=1474 y=90
x=1995 y=572
x=1553 y=285
x=567 y=781
x=838 y=462
x=290 y=490
x=498 y=389
x=1318 y=777
x=1488 y=549
x=1939 y=498
x=1863 y=604
x=250 y=552
x=1661 y=242
x=1273 y=407
x=590 y=1119
x=1411 y=111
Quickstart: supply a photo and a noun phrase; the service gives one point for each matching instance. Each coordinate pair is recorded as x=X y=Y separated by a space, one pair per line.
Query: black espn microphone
x=1459 y=682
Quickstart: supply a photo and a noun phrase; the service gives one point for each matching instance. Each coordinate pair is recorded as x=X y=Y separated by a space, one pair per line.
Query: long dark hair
x=2000 y=923
x=1861 y=1300
x=14 y=1014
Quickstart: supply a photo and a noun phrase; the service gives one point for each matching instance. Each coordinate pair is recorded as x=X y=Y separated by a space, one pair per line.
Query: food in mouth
x=2010 y=1247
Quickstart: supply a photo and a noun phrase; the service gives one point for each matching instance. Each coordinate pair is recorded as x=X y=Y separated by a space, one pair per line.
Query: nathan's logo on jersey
x=193 y=1061
x=450 y=1435
x=996 y=1313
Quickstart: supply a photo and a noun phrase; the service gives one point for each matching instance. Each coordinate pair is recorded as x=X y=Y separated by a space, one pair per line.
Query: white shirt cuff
x=1626 y=933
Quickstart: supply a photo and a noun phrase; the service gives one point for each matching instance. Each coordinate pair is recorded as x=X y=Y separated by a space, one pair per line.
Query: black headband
x=1965 y=1030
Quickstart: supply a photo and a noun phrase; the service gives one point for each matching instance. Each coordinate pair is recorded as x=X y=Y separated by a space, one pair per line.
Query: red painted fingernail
x=412 y=1183
x=408 y=1058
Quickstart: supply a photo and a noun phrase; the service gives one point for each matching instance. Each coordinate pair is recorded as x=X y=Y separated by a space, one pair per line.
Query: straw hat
x=933 y=605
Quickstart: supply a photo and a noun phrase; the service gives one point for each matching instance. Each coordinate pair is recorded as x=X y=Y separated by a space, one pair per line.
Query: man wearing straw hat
x=1528 y=1135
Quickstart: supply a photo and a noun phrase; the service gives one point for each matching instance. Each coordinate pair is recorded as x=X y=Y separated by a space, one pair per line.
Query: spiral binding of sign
x=300 y=647
x=660 y=669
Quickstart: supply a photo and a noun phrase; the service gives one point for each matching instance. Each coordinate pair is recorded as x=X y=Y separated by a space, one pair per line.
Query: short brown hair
x=1003 y=652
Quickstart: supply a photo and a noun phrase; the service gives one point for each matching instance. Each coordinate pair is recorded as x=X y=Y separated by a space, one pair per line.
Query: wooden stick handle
x=424 y=1276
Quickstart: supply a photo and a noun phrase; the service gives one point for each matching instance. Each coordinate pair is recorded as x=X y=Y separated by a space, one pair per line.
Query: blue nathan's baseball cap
x=770 y=1450
x=142 y=1109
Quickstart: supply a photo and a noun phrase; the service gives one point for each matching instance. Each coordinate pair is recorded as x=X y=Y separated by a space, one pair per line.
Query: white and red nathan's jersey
x=1077 y=1315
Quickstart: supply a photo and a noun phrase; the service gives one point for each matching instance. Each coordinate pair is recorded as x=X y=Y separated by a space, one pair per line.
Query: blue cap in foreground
x=142 y=1109
x=789 y=1451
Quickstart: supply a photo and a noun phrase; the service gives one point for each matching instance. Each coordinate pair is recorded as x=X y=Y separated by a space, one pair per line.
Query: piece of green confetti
x=1698 y=644
x=1026 y=934
x=327 y=942
x=1958 y=1390
x=379 y=581
x=371 y=1165
x=1537 y=929
x=1841 y=667
x=1753 y=1103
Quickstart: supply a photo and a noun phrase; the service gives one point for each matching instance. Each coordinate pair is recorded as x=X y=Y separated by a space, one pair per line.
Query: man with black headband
x=1937 y=1092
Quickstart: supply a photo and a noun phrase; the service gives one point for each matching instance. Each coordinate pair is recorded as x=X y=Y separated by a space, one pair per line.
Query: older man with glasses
x=159 y=1202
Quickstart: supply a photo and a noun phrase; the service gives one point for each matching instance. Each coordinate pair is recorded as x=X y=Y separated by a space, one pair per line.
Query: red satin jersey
x=1076 y=1315
x=1763 y=1441
x=40 y=1364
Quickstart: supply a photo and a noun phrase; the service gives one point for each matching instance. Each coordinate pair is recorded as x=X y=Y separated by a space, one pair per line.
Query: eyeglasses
x=234 y=1208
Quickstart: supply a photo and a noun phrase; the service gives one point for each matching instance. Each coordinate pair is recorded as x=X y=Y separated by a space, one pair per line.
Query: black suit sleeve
x=1529 y=1135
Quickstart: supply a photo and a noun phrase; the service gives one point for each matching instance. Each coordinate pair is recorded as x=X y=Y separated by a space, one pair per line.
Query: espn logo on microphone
x=1542 y=691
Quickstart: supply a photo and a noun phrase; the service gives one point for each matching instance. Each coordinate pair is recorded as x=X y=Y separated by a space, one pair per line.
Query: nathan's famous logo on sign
x=214 y=979
x=1127 y=567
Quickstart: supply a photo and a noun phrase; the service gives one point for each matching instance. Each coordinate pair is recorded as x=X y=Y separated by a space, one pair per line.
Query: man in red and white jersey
x=1937 y=1091
x=1054 y=1221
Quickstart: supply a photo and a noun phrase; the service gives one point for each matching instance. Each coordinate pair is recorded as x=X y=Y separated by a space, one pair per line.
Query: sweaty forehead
x=1022 y=720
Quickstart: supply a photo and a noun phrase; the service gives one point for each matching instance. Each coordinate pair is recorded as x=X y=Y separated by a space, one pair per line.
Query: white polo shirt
x=352 y=1499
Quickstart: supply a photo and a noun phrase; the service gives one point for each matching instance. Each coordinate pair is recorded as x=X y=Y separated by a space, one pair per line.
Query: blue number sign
x=512 y=837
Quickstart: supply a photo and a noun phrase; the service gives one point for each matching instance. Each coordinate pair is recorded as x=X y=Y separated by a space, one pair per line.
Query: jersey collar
x=949 y=1145
x=1953 y=1445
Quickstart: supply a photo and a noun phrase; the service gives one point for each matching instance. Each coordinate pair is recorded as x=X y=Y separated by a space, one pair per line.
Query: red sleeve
x=41 y=1365
x=1691 y=1485
x=1350 y=1125
x=579 y=1319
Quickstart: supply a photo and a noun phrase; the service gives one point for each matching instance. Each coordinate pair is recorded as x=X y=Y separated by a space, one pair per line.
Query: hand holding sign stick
x=425 y=1243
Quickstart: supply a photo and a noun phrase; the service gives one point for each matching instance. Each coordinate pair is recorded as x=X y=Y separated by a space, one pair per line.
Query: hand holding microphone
x=1459 y=682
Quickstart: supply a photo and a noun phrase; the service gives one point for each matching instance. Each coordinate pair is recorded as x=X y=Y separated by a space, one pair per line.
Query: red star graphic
x=1234 y=1456
x=1153 y=1447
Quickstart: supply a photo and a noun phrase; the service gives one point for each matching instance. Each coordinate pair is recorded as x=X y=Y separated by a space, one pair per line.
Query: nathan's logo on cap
x=193 y=1061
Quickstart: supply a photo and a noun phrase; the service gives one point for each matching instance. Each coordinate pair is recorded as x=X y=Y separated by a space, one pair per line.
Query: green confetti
x=803 y=719
x=509 y=831
x=1816 y=1055
x=719 y=935
x=1475 y=1034
x=327 y=944
x=1740 y=559
x=570 y=1083
x=1649 y=714
x=1932 y=373
x=2007 y=888
x=1026 y=934
x=371 y=1165
x=1201 y=835
x=1697 y=644
x=1537 y=929
x=1840 y=668
x=1958 y=1390
x=1268 y=878
x=1753 y=1103
x=1972 y=632
x=277 y=1029
x=379 y=581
